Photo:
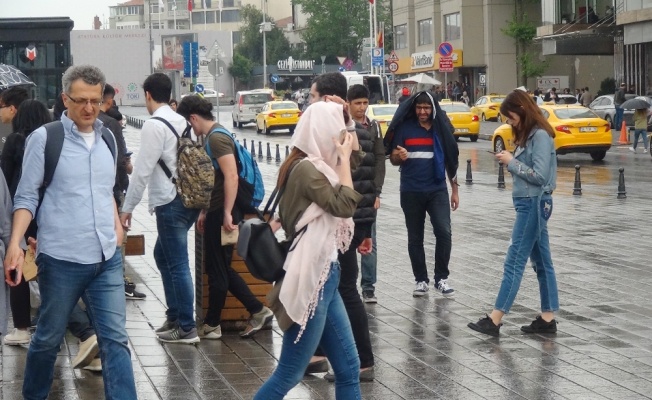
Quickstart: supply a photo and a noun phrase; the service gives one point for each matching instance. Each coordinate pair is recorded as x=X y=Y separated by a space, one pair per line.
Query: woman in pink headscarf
x=319 y=197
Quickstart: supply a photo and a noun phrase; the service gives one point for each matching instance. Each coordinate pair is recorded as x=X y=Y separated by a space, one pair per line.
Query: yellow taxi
x=383 y=113
x=277 y=115
x=488 y=107
x=466 y=123
x=577 y=130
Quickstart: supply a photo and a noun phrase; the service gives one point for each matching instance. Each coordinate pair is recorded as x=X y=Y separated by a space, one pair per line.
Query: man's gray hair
x=87 y=73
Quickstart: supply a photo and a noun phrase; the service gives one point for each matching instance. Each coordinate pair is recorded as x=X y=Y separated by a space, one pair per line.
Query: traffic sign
x=392 y=66
x=348 y=64
x=482 y=78
x=378 y=56
x=446 y=64
x=341 y=69
x=274 y=79
x=221 y=67
x=199 y=88
x=445 y=49
x=190 y=59
x=392 y=56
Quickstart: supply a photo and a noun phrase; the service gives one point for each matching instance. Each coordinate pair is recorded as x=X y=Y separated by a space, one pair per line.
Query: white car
x=208 y=94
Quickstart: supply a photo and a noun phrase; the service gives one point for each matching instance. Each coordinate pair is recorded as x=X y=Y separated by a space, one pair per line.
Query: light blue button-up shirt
x=76 y=219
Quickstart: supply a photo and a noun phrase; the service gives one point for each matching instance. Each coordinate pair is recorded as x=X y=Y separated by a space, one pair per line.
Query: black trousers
x=20 y=306
x=221 y=277
x=348 y=289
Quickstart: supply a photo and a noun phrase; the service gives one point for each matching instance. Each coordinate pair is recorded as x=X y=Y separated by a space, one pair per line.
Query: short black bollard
x=244 y=143
x=501 y=176
x=577 y=189
x=469 y=174
x=287 y=151
x=622 y=194
x=253 y=148
x=260 y=150
x=269 y=153
x=278 y=154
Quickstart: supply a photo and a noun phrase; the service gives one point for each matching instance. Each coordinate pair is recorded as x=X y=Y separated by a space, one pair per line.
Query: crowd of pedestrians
x=332 y=182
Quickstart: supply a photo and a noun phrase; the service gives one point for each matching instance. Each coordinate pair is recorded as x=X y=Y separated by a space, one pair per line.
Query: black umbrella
x=635 y=104
x=11 y=76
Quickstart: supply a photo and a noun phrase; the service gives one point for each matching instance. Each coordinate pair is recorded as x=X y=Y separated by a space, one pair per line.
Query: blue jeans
x=101 y=286
x=368 y=264
x=330 y=329
x=529 y=240
x=437 y=205
x=618 y=117
x=173 y=221
x=643 y=133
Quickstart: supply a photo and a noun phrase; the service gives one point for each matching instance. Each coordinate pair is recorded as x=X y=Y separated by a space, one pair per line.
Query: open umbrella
x=636 y=103
x=11 y=76
x=422 y=79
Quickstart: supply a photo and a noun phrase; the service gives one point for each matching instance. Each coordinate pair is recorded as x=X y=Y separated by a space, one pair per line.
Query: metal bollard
x=269 y=153
x=469 y=174
x=577 y=188
x=287 y=151
x=244 y=142
x=278 y=154
x=501 y=176
x=260 y=150
x=622 y=194
x=253 y=148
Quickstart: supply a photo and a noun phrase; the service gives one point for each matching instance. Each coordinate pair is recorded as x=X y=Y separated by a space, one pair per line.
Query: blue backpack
x=251 y=189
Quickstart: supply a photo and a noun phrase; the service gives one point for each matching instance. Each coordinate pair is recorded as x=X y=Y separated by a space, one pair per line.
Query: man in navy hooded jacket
x=420 y=140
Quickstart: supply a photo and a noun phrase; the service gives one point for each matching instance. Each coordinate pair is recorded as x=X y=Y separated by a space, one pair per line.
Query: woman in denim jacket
x=534 y=170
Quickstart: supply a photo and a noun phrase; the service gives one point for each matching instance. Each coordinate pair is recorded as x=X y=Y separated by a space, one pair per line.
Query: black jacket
x=121 y=177
x=368 y=178
x=443 y=128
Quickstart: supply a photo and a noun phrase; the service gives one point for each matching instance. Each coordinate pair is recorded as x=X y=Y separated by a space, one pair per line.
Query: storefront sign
x=290 y=64
x=425 y=59
x=30 y=52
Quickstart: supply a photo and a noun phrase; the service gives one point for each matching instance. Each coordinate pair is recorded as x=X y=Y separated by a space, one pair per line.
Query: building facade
x=634 y=52
x=129 y=15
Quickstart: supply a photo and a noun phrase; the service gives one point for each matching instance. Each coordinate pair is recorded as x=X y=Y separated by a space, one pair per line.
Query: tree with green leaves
x=251 y=46
x=240 y=68
x=337 y=27
x=523 y=31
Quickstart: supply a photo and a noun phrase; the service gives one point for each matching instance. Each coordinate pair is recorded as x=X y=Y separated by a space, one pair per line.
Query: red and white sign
x=446 y=64
x=392 y=66
x=392 y=56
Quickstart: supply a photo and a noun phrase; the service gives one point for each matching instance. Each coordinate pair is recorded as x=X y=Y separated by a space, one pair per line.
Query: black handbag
x=262 y=253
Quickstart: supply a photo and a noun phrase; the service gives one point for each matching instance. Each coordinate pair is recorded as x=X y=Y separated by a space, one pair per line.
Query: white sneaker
x=88 y=349
x=644 y=150
x=210 y=332
x=95 y=365
x=444 y=288
x=18 y=337
x=421 y=289
x=633 y=150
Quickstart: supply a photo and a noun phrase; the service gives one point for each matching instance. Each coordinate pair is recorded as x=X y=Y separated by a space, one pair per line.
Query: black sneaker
x=369 y=297
x=539 y=325
x=131 y=293
x=486 y=325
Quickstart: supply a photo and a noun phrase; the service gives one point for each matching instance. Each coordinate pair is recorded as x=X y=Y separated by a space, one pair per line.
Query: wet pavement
x=423 y=349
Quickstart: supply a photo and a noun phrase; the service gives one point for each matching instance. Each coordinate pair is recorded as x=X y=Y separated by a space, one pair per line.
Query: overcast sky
x=80 y=11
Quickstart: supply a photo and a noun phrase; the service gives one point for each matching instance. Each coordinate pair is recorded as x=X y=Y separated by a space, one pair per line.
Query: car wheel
x=499 y=144
x=266 y=130
x=258 y=130
x=235 y=124
x=474 y=138
x=240 y=124
x=499 y=118
x=608 y=119
x=598 y=155
x=484 y=117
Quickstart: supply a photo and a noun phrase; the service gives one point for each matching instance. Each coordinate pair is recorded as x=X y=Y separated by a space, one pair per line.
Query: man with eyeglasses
x=78 y=235
x=420 y=140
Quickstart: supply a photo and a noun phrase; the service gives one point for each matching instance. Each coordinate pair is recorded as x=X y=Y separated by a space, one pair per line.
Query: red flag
x=190 y=5
x=371 y=1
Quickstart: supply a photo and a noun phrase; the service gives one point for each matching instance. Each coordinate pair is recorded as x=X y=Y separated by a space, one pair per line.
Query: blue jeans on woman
x=101 y=286
x=173 y=221
x=529 y=240
x=642 y=133
x=368 y=264
x=331 y=330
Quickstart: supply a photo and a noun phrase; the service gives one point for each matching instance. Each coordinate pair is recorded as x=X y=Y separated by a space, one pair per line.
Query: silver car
x=604 y=107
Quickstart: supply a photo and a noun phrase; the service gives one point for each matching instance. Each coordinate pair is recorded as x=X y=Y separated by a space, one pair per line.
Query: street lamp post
x=263 y=7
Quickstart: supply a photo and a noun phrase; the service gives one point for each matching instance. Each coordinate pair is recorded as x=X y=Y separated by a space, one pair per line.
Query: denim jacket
x=534 y=167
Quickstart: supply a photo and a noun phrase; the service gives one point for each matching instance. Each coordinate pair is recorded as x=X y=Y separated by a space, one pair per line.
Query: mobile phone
x=343 y=133
x=491 y=151
x=12 y=275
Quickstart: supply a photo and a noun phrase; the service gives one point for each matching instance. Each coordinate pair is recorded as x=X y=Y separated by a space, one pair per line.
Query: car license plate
x=286 y=115
x=588 y=129
x=461 y=130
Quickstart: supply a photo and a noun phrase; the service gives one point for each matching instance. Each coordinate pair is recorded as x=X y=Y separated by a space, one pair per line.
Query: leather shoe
x=317 y=367
x=368 y=375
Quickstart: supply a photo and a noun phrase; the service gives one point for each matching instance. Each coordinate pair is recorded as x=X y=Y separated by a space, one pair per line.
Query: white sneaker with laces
x=633 y=150
x=420 y=289
x=644 y=150
x=444 y=288
x=210 y=332
x=18 y=337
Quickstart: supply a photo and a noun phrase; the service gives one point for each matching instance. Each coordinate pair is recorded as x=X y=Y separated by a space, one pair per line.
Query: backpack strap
x=160 y=162
x=109 y=139
x=208 y=146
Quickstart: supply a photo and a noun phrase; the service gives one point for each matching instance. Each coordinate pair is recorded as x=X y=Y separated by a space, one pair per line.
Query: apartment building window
x=400 y=36
x=452 y=26
x=231 y=16
x=228 y=3
x=425 y=31
x=154 y=7
x=237 y=37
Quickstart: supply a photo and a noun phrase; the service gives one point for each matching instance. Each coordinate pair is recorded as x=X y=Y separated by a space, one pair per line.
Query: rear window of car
x=574 y=113
x=284 y=106
x=384 y=110
x=455 y=108
x=496 y=99
x=257 y=98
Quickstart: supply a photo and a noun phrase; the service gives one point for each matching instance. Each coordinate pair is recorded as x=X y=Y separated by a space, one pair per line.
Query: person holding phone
x=534 y=170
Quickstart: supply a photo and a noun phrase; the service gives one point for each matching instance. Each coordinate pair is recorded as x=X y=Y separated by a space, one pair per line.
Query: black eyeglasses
x=83 y=102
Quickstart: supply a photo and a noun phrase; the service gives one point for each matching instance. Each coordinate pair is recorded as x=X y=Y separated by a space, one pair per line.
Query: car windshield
x=385 y=110
x=255 y=98
x=574 y=113
x=455 y=108
x=496 y=99
x=284 y=106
